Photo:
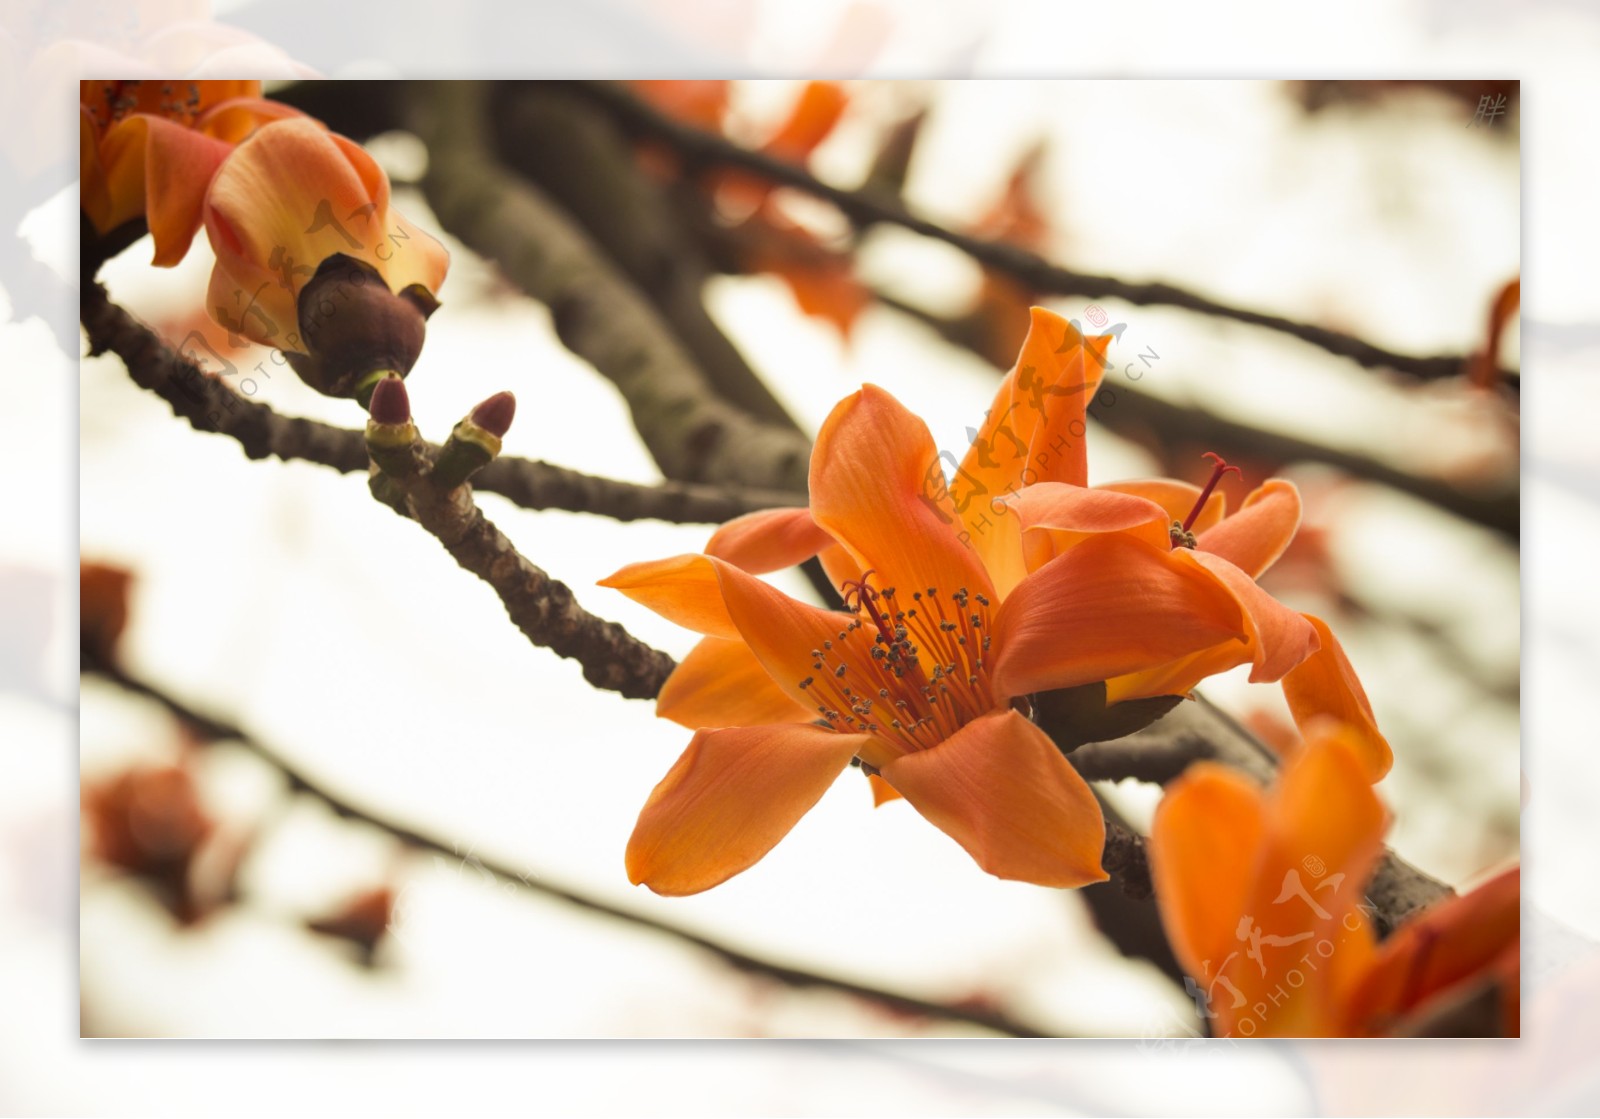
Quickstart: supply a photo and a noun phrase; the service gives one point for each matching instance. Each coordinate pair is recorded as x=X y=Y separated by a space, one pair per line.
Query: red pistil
x=1217 y=474
x=866 y=599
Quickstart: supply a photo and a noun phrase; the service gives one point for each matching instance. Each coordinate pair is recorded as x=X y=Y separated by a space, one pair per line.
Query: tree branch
x=869 y=206
x=794 y=977
x=211 y=406
x=543 y=608
x=692 y=433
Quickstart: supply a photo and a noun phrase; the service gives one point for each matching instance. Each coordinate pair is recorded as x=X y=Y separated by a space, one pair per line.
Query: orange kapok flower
x=313 y=259
x=1058 y=511
x=1260 y=895
x=915 y=679
x=150 y=148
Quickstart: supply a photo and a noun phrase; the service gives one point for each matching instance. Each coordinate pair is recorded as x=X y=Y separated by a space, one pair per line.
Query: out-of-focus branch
x=573 y=150
x=542 y=885
x=866 y=207
x=693 y=433
x=211 y=406
x=1135 y=412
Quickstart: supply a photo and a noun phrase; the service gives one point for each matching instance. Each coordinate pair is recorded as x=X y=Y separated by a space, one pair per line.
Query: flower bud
x=312 y=259
x=475 y=441
x=392 y=439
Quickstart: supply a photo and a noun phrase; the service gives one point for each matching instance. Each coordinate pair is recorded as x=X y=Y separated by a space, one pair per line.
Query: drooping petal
x=1033 y=432
x=1276 y=639
x=1254 y=537
x=728 y=800
x=1066 y=515
x=1177 y=498
x=722 y=684
x=876 y=488
x=1454 y=942
x=161 y=168
x=1001 y=789
x=1111 y=605
x=769 y=540
x=1204 y=842
x=682 y=589
x=1325 y=685
x=882 y=791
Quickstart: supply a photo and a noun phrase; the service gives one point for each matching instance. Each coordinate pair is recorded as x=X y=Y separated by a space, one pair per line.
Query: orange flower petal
x=1254 y=537
x=1034 y=432
x=1204 y=842
x=1177 y=498
x=1068 y=515
x=1325 y=685
x=1276 y=640
x=160 y=168
x=682 y=589
x=722 y=684
x=1001 y=789
x=882 y=791
x=769 y=540
x=870 y=491
x=728 y=800
x=1110 y=606
x=1455 y=940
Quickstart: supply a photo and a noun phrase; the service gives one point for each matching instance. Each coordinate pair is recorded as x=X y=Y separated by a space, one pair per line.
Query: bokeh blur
x=278 y=598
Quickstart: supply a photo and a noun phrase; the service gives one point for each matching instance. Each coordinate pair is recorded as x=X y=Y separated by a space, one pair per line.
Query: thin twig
x=790 y=976
x=211 y=406
x=543 y=608
x=871 y=206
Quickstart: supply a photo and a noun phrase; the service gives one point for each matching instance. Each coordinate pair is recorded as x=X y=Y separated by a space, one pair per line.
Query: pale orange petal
x=1325 y=685
x=1204 y=843
x=162 y=169
x=1177 y=498
x=722 y=684
x=871 y=491
x=769 y=540
x=1254 y=537
x=1110 y=606
x=682 y=589
x=729 y=799
x=1001 y=789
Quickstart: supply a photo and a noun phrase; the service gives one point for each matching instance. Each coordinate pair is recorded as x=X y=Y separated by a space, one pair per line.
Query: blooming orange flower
x=150 y=148
x=916 y=678
x=1260 y=894
x=1058 y=511
x=293 y=200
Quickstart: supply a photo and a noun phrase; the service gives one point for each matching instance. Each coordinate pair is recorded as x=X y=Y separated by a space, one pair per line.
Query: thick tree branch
x=691 y=432
x=866 y=207
x=211 y=406
x=542 y=885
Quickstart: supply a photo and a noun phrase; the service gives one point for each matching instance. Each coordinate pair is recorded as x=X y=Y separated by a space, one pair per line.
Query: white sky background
x=284 y=597
x=264 y=567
